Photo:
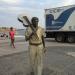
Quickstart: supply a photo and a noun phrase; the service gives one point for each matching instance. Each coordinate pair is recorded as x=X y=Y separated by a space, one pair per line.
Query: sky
x=11 y=9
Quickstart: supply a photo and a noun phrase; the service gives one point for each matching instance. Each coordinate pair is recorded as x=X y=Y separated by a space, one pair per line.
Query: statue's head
x=35 y=21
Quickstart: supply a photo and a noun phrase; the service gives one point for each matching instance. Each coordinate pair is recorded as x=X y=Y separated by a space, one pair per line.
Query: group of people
x=35 y=36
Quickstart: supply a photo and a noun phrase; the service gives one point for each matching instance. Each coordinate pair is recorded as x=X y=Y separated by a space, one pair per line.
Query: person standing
x=11 y=35
x=35 y=36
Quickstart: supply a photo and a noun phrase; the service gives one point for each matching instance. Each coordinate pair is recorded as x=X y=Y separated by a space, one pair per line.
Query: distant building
x=5 y=29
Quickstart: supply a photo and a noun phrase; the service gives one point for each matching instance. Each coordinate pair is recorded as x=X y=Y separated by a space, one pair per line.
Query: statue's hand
x=44 y=50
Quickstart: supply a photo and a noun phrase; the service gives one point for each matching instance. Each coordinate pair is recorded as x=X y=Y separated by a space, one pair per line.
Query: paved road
x=58 y=60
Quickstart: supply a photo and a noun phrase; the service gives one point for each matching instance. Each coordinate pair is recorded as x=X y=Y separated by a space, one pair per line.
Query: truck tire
x=71 y=39
x=60 y=38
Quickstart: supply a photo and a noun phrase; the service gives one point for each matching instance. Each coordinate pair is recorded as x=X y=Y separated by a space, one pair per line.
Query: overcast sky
x=11 y=9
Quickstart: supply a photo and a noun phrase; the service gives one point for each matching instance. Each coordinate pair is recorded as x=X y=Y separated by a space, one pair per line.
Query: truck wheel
x=59 y=38
x=71 y=38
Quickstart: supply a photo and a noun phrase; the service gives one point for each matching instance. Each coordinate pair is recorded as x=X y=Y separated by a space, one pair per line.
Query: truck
x=60 y=23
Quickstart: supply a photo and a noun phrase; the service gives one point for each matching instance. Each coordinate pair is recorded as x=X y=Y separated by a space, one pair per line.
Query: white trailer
x=60 y=23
